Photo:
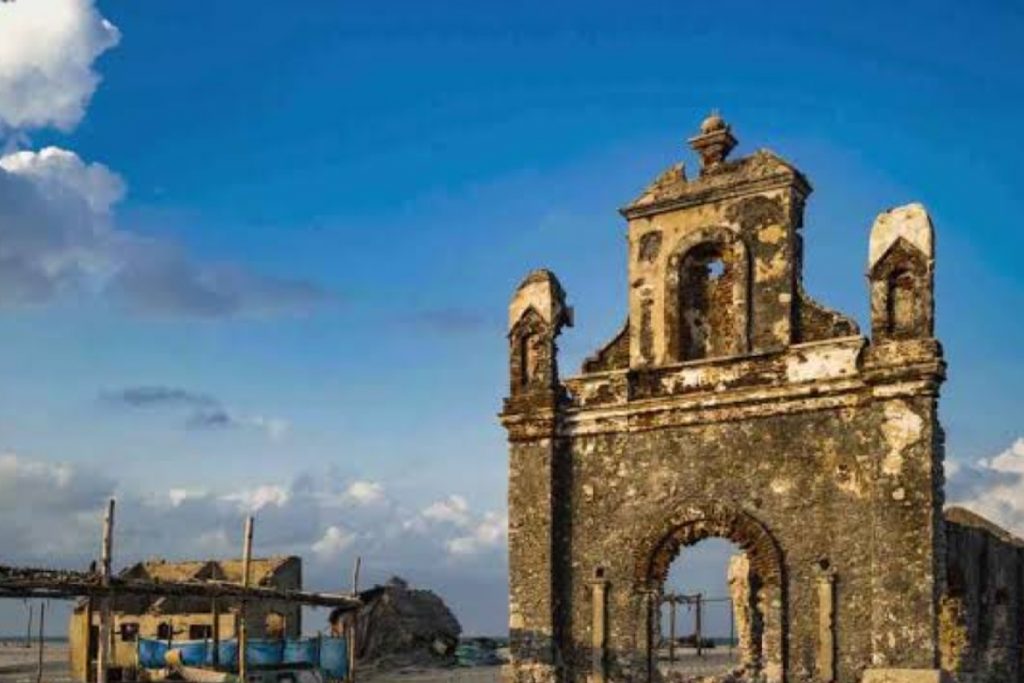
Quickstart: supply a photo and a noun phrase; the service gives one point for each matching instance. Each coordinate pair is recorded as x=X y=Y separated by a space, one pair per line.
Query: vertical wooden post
x=42 y=627
x=103 y=646
x=89 y=668
x=672 y=631
x=354 y=628
x=242 y=626
x=700 y=638
x=215 y=615
x=28 y=629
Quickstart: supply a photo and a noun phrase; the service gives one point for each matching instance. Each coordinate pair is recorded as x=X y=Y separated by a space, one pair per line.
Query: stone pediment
x=672 y=188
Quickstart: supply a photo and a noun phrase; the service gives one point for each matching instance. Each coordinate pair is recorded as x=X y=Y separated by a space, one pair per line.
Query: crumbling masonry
x=731 y=404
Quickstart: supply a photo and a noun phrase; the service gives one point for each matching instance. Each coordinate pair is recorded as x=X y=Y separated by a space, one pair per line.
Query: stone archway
x=692 y=525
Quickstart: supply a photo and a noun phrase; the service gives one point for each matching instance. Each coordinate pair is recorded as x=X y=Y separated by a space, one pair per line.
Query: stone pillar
x=537 y=313
x=599 y=631
x=772 y=636
x=744 y=610
x=826 y=656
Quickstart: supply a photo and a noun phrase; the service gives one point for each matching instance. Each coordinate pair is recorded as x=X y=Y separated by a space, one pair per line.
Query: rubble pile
x=405 y=627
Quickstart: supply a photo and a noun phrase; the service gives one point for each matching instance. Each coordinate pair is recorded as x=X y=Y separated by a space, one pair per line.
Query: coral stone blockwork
x=733 y=405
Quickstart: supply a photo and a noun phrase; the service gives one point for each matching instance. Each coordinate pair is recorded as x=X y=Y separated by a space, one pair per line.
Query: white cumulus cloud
x=55 y=226
x=47 y=50
x=254 y=500
x=454 y=510
x=59 y=235
x=58 y=231
x=365 y=492
x=487 y=534
x=334 y=542
x=992 y=487
x=50 y=514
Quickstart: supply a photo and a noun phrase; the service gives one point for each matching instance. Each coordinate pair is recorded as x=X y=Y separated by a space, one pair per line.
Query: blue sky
x=325 y=207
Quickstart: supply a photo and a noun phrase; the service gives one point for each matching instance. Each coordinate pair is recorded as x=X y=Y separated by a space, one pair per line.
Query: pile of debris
x=482 y=652
x=402 y=627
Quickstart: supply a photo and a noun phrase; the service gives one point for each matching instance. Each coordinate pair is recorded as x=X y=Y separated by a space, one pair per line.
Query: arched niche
x=707 y=296
x=901 y=289
x=531 y=358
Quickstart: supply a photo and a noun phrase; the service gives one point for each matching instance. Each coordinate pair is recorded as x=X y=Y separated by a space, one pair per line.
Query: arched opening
x=527 y=359
x=901 y=315
x=757 y=583
x=705 y=301
x=709 y=623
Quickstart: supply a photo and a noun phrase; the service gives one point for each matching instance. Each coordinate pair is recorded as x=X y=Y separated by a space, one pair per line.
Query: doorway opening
x=707 y=621
x=725 y=563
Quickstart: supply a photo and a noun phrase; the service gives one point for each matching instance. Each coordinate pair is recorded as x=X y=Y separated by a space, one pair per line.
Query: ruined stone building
x=731 y=404
x=183 y=618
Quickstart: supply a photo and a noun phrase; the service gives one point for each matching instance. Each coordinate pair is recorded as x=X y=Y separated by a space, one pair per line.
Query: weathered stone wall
x=732 y=405
x=813 y=480
x=981 y=628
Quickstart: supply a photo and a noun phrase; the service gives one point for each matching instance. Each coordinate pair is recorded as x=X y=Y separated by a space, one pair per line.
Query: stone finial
x=911 y=223
x=542 y=292
x=714 y=142
x=901 y=267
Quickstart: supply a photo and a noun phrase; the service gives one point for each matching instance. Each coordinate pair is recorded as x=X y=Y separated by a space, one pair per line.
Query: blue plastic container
x=334 y=657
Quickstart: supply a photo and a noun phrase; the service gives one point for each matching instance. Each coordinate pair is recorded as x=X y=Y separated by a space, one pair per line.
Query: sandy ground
x=19 y=665
x=479 y=674
x=713 y=662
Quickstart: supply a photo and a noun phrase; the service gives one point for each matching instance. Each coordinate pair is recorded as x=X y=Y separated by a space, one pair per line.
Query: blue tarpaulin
x=331 y=656
x=301 y=651
x=151 y=653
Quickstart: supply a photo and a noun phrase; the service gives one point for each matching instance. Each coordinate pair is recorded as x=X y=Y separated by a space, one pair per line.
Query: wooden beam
x=16 y=582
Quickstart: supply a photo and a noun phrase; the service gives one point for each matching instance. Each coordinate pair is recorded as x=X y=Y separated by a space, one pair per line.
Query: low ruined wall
x=981 y=624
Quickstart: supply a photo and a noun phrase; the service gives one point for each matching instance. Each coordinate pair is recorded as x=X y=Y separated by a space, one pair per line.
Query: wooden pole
x=672 y=632
x=354 y=628
x=28 y=630
x=215 y=612
x=42 y=626
x=103 y=651
x=242 y=627
x=700 y=638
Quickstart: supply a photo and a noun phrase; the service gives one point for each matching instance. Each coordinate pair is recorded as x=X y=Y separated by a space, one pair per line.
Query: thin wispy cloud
x=448 y=321
x=200 y=411
x=157 y=396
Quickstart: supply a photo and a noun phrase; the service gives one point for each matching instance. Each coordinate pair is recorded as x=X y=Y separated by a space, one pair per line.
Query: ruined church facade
x=731 y=404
